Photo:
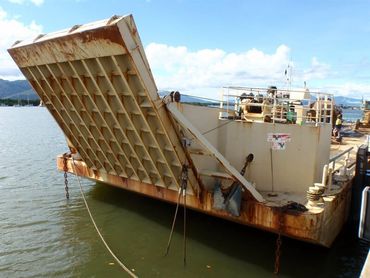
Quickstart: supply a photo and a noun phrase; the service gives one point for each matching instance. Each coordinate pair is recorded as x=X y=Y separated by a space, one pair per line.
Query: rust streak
x=306 y=226
x=70 y=47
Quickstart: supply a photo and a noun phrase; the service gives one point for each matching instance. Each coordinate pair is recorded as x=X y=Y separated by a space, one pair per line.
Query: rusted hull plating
x=319 y=228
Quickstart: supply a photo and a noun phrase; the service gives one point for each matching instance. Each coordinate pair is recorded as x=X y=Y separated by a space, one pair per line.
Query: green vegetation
x=21 y=102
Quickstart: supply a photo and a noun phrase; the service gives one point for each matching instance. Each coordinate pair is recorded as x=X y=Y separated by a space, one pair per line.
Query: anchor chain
x=279 y=241
x=289 y=207
x=65 y=169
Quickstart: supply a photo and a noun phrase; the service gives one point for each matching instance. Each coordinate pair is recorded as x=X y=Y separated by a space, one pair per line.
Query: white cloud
x=201 y=71
x=37 y=2
x=11 y=30
x=179 y=68
x=21 y=2
x=350 y=89
x=317 y=70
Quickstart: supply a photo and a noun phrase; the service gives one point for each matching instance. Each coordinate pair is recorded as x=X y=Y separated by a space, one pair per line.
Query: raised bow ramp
x=96 y=82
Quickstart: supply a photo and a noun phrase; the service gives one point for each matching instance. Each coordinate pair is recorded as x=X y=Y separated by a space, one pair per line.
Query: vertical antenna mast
x=288 y=76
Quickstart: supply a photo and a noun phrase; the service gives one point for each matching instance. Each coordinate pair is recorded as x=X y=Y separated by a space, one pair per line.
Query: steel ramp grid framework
x=98 y=96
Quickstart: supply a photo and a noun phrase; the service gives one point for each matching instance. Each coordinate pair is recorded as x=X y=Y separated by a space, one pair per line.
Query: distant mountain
x=21 y=89
x=18 y=89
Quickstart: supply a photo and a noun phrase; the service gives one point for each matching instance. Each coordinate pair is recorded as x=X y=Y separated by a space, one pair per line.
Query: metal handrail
x=257 y=89
x=321 y=103
x=335 y=157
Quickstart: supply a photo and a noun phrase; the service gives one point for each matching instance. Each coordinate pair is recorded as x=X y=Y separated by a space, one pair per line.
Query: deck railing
x=277 y=105
x=345 y=169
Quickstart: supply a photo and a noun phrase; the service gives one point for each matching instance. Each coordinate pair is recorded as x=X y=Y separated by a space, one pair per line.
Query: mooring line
x=125 y=268
x=182 y=193
x=173 y=222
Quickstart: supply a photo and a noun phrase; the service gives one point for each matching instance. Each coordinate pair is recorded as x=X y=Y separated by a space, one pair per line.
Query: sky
x=198 y=46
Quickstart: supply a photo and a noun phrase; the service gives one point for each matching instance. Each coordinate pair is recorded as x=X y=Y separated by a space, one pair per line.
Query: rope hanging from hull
x=122 y=265
x=182 y=192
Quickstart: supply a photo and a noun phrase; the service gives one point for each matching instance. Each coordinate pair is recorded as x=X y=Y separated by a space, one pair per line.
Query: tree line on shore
x=20 y=102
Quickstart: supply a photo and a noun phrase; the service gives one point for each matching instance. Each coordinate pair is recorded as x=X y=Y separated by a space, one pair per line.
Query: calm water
x=351 y=115
x=44 y=235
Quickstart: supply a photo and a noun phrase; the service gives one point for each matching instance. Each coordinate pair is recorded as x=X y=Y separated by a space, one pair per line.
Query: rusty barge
x=97 y=84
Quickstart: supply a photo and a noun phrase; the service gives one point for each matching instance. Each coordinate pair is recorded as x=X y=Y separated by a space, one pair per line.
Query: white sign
x=278 y=140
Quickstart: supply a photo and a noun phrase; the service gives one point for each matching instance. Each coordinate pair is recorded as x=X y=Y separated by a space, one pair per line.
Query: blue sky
x=196 y=45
